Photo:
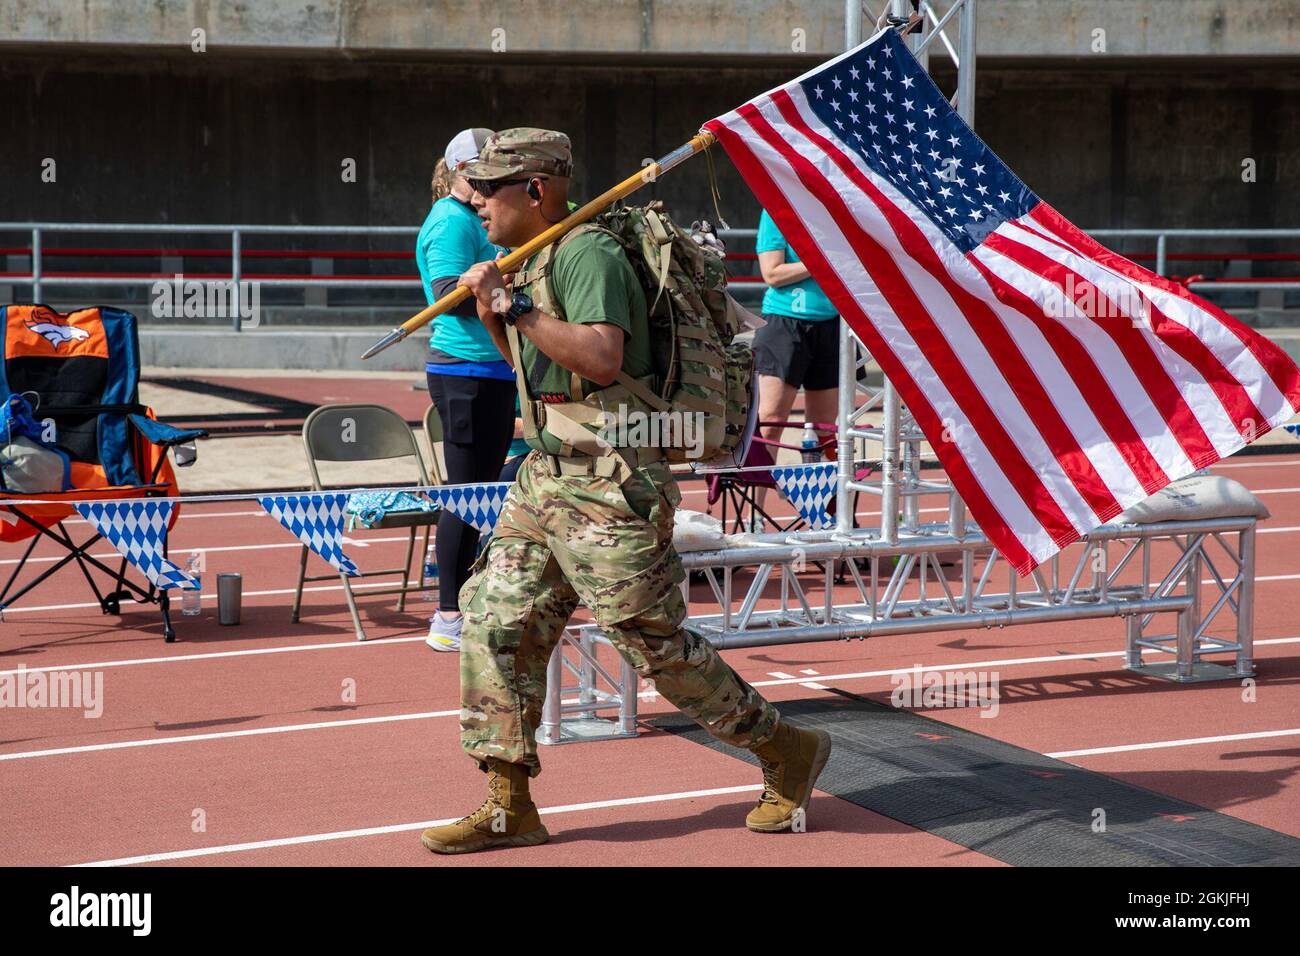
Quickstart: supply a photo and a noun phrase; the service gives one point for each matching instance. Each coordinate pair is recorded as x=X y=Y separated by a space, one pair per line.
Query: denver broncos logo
x=58 y=334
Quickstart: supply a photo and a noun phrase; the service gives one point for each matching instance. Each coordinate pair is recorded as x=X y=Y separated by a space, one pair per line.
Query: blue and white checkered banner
x=138 y=530
x=810 y=488
x=317 y=520
x=479 y=505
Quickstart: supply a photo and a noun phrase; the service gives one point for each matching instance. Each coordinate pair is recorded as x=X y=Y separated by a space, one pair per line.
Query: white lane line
x=1187 y=742
x=358 y=542
x=379 y=642
x=212 y=655
x=407 y=827
x=366 y=542
x=189 y=512
x=809 y=671
x=226 y=734
x=967 y=665
x=212 y=598
x=784 y=679
x=572 y=808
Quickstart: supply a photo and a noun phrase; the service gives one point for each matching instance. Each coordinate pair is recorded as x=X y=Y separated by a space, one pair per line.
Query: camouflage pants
x=563 y=539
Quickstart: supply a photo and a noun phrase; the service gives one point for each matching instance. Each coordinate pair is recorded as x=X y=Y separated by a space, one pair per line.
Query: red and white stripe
x=1050 y=414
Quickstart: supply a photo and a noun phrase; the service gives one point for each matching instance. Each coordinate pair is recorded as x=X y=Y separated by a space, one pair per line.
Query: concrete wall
x=673 y=28
x=261 y=140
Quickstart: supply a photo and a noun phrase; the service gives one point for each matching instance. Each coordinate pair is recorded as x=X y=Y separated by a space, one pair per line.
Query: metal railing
x=1162 y=237
x=38 y=276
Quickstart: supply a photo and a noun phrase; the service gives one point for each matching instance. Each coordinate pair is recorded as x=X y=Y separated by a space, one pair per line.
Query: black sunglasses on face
x=488 y=187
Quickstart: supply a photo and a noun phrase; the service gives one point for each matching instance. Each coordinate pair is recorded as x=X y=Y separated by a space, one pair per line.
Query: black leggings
x=478 y=423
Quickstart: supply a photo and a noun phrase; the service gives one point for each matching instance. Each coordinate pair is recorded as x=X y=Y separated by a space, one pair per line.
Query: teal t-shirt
x=451 y=240
x=799 y=300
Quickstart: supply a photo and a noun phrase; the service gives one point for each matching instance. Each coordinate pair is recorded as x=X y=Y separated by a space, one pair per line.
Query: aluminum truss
x=1118 y=571
x=1187 y=572
x=567 y=719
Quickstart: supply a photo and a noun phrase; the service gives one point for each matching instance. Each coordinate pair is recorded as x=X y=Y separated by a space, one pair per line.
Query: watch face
x=521 y=304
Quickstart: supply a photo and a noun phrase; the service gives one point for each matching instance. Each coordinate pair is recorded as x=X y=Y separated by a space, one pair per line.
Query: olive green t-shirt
x=592 y=282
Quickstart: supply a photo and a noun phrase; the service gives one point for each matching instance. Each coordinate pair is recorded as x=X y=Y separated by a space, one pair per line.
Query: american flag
x=1059 y=383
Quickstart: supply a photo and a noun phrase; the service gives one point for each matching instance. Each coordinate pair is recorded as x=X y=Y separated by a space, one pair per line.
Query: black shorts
x=799 y=352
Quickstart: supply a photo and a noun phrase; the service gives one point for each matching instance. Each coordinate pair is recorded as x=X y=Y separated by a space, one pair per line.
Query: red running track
x=240 y=746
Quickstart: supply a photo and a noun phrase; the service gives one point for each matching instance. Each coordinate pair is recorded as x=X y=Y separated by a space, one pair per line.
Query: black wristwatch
x=520 y=305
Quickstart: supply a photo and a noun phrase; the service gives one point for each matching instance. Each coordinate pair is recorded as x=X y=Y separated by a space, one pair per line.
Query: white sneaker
x=444 y=633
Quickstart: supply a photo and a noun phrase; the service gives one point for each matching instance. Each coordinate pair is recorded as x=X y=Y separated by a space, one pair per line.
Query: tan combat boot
x=791 y=760
x=508 y=816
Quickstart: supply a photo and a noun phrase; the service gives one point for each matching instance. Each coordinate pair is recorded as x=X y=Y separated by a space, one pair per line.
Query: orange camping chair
x=81 y=370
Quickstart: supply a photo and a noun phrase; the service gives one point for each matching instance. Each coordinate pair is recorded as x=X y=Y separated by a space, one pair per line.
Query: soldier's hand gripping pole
x=521 y=255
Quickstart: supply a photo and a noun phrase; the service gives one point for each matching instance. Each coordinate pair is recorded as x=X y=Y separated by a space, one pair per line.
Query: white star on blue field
x=884 y=107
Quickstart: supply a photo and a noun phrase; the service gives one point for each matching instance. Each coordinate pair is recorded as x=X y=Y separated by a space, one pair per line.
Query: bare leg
x=821 y=406
x=775 y=399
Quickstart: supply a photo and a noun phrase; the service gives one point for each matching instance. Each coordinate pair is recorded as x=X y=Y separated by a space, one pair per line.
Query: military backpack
x=699 y=370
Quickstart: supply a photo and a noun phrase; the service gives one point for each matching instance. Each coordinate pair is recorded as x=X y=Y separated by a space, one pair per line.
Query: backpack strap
x=664 y=239
x=527 y=407
x=539 y=278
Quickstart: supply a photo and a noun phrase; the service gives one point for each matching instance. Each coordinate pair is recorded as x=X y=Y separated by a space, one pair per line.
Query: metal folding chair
x=355 y=434
x=740 y=491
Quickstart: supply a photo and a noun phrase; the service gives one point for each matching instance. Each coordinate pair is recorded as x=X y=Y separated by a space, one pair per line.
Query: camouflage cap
x=521 y=150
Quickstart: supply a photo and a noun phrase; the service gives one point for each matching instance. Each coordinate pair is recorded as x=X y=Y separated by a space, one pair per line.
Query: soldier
x=576 y=527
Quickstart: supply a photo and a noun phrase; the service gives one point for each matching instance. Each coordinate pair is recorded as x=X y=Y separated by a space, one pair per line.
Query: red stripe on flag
x=1181 y=422
x=1024 y=479
x=1002 y=348
x=1087 y=377
x=1234 y=396
x=1281 y=369
x=771 y=198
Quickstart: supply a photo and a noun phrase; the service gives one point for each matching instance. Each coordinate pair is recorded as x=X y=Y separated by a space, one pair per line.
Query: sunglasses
x=488 y=187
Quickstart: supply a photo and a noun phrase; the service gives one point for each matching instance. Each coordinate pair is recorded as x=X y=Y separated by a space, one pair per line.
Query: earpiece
x=533 y=192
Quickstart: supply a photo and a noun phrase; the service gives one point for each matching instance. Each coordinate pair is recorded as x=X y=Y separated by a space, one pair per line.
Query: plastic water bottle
x=810 y=443
x=430 y=571
x=192 y=598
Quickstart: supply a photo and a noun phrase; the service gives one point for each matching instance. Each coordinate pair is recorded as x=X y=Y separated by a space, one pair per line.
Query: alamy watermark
x=183 y=298
x=634 y=428
x=922 y=689
x=39 y=689
x=75 y=908
x=1120 y=300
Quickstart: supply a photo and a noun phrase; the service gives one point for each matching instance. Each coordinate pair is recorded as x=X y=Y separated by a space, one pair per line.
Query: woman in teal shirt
x=800 y=345
x=469 y=381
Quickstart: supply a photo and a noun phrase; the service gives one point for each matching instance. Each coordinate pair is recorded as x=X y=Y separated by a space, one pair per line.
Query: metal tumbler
x=229 y=591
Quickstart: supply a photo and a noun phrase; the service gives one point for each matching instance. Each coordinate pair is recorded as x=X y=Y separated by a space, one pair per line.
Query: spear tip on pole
x=392 y=338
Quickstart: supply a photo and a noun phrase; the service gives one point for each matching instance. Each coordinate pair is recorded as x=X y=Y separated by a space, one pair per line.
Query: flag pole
x=530 y=248
x=848 y=370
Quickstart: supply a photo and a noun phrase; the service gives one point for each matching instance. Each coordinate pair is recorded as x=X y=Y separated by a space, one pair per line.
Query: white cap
x=465 y=146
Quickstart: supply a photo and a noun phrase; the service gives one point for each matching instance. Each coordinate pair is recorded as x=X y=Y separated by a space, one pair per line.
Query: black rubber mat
x=1011 y=804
